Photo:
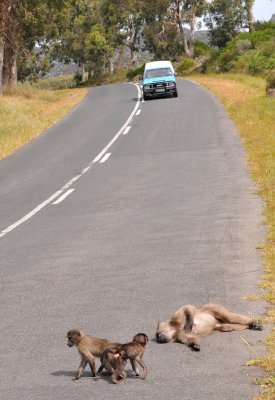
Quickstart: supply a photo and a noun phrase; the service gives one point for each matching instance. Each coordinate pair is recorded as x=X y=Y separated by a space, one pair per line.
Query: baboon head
x=165 y=332
x=141 y=338
x=74 y=335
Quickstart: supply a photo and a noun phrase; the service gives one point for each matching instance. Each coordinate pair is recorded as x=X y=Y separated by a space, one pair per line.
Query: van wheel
x=175 y=94
x=145 y=98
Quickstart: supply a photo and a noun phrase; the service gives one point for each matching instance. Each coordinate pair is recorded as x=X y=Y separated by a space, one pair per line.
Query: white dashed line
x=107 y=155
x=64 y=195
x=126 y=130
x=30 y=214
x=138 y=111
x=71 y=181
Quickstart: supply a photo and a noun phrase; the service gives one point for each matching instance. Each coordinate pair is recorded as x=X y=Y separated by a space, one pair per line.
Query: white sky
x=263 y=9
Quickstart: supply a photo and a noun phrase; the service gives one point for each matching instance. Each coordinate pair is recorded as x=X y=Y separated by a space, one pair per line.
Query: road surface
x=110 y=221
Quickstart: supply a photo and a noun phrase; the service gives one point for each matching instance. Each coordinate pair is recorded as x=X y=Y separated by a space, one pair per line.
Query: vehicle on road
x=159 y=79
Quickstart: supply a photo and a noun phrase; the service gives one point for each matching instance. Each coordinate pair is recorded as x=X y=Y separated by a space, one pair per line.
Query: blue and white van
x=159 y=79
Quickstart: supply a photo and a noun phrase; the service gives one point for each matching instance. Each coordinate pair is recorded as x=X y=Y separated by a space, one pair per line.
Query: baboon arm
x=189 y=313
x=81 y=368
x=189 y=340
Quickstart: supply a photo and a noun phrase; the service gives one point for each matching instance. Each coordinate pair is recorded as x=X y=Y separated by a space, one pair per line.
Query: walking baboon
x=132 y=351
x=190 y=323
x=88 y=347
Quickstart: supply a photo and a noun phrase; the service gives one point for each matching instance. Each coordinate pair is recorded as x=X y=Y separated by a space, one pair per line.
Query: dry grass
x=27 y=112
x=253 y=112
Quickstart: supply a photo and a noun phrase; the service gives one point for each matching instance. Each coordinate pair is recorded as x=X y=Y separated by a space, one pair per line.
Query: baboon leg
x=189 y=339
x=224 y=316
x=134 y=366
x=230 y=327
x=141 y=363
x=108 y=367
x=81 y=368
x=90 y=359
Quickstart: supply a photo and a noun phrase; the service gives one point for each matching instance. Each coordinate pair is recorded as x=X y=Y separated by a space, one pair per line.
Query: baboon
x=132 y=351
x=88 y=347
x=190 y=323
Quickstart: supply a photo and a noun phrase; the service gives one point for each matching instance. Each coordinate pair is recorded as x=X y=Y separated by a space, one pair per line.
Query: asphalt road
x=165 y=215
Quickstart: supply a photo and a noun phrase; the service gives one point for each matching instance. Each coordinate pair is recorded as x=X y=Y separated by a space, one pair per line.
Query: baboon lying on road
x=189 y=323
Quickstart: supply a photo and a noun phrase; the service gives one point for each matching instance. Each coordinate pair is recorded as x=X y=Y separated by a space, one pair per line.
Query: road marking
x=84 y=170
x=30 y=214
x=138 y=111
x=104 y=158
x=98 y=157
x=126 y=130
x=64 y=195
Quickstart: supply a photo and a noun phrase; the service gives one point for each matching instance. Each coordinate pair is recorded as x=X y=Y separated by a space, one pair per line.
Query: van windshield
x=157 y=73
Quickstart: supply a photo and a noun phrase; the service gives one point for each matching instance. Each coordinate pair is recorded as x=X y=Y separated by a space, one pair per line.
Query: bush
x=201 y=49
x=135 y=72
x=186 y=64
x=270 y=81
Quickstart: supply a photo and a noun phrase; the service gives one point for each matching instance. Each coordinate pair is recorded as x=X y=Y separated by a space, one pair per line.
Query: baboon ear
x=78 y=334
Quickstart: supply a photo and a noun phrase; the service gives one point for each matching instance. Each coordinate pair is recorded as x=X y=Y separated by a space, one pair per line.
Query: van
x=159 y=79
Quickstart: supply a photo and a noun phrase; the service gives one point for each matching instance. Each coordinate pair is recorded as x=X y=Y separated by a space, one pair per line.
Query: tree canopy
x=90 y=32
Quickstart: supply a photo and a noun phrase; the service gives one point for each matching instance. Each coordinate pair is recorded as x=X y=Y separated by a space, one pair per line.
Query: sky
x=263 y=9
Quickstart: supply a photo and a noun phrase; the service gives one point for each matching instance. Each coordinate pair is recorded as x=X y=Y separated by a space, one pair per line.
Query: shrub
x=270 y=81
x=201 y=49
x=186 y=64
x=135 y=72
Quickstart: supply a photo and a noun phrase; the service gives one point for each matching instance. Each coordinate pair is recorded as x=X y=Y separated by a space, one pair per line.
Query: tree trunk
x=83 y=72
x=2 y=41
x=250 y=17
x=182 y=34
x=1 y=61
x=192 y=35
x=133 y=58
x=120 y=57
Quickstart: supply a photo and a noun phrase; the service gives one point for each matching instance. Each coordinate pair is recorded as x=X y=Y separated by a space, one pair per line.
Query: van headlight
x=147 y=87
x=171 y=83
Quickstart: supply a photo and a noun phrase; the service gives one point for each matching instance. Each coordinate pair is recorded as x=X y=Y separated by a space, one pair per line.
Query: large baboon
x=189 y=323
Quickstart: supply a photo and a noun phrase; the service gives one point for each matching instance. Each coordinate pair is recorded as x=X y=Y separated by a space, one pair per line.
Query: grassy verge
x=29 y=111
x=254 y=115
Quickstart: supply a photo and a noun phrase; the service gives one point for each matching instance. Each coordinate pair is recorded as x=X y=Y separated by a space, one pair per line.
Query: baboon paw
x=196 y=346
x=256 y=326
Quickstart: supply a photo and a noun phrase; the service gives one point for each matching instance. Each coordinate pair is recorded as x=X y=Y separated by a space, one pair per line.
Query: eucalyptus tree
x=23 y=23
x=226 y=18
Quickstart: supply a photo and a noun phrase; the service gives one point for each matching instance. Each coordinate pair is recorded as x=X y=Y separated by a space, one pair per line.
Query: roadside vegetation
x=253 y=112
x=27 y=111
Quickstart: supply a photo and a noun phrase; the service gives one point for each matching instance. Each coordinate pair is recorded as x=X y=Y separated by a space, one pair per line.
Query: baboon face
x=165 y=332
x=141 y=338
x=74 y=336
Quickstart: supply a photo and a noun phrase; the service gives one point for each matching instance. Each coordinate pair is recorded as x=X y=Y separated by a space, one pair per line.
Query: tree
x=225 y=19
x=22 y=24
x=187 y=11
x=125 y=20
x=82 y=37
x=160 y=31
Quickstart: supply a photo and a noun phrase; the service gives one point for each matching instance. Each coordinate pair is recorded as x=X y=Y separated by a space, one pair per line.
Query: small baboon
x=189 y=323
x=88 y=347
x=132 y=351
